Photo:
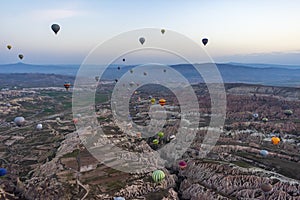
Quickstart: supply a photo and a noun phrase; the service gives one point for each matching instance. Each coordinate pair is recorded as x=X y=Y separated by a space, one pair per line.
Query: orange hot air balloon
x=162 y=102
x=275 y=140
x=67 y=85
x=182 y=165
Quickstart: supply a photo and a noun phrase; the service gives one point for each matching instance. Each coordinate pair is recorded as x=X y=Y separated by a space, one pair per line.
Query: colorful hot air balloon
x=160 y=134
x=67 y=85
x=158 y=176
x=3 y=171
x=142 y=40
x=21 y=56
x=264 y=153
x=275 y=140
x=266 y=187
x=162 y=102
x=55 y=28
x=9 y=47
x=162 y=31
x=204 y=41
x=19 y=121
x=182 y=164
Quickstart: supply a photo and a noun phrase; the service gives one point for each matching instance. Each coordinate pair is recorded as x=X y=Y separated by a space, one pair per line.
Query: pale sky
x=252 y=31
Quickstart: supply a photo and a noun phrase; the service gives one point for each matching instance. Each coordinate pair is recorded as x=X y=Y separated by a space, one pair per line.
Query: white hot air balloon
x=19 y=121
x=39 y=126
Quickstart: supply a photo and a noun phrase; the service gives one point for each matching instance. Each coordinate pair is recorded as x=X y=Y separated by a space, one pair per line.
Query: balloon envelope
x=39 y=127
x=3 y=171
x=55 y=28
x=158 y=176
x=160 y=134
x=275 y=140
x=205 y=41
x=264 y=153
x=19 y=121
x=162 y=31
x=21 y=56
x=266 y=187
x=9 y=47
x=142 y=40
x=162 y=102
x=182 y=164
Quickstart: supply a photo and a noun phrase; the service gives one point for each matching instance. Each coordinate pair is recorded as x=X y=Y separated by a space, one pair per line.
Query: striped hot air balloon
x=162 y=102
x=158 y=176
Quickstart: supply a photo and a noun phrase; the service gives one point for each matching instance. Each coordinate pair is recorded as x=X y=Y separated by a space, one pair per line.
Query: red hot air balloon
x=67 y=85
x=182 y=165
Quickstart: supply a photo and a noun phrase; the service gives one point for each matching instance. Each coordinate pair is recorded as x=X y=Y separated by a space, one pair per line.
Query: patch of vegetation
x=72 y=154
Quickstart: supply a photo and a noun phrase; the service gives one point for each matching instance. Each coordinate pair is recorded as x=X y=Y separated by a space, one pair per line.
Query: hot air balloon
x=21 y=56
x=288 y=112
x=155 y=141
x=123 y=59
x=204 y=41
x=266 y=187
x=264 y=153
x=162 y=31
x=57 y=119
x=19 y=121
x=265 y=119
x=145 y=73
x=119 y=68
x=172 y=137
x=275 y=140
x=116 y=80
x=39 y=127
x=75 y=120
x=160 y=134
x=131 y=71
x=152 y=101
x=9 y=47
x=55 y=28
x=162 y=102
x=97 y=78
x=67 y=85
x=119 y=198
x=255 y=115
x=78 y=115
x=142 y=40
x=3 y=171
x=165 y=70
x=182 y=164
x=158 y=176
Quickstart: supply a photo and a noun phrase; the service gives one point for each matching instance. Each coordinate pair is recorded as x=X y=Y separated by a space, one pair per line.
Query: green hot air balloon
x=160 y=134
x=158 y=176
x=55 y=28
x=155 y=141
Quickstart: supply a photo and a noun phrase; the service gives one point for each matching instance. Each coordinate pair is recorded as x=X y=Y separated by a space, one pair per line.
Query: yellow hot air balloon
x=153 y=101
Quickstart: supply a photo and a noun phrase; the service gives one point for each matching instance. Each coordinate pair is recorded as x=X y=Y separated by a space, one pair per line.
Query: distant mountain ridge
x=264 y=74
